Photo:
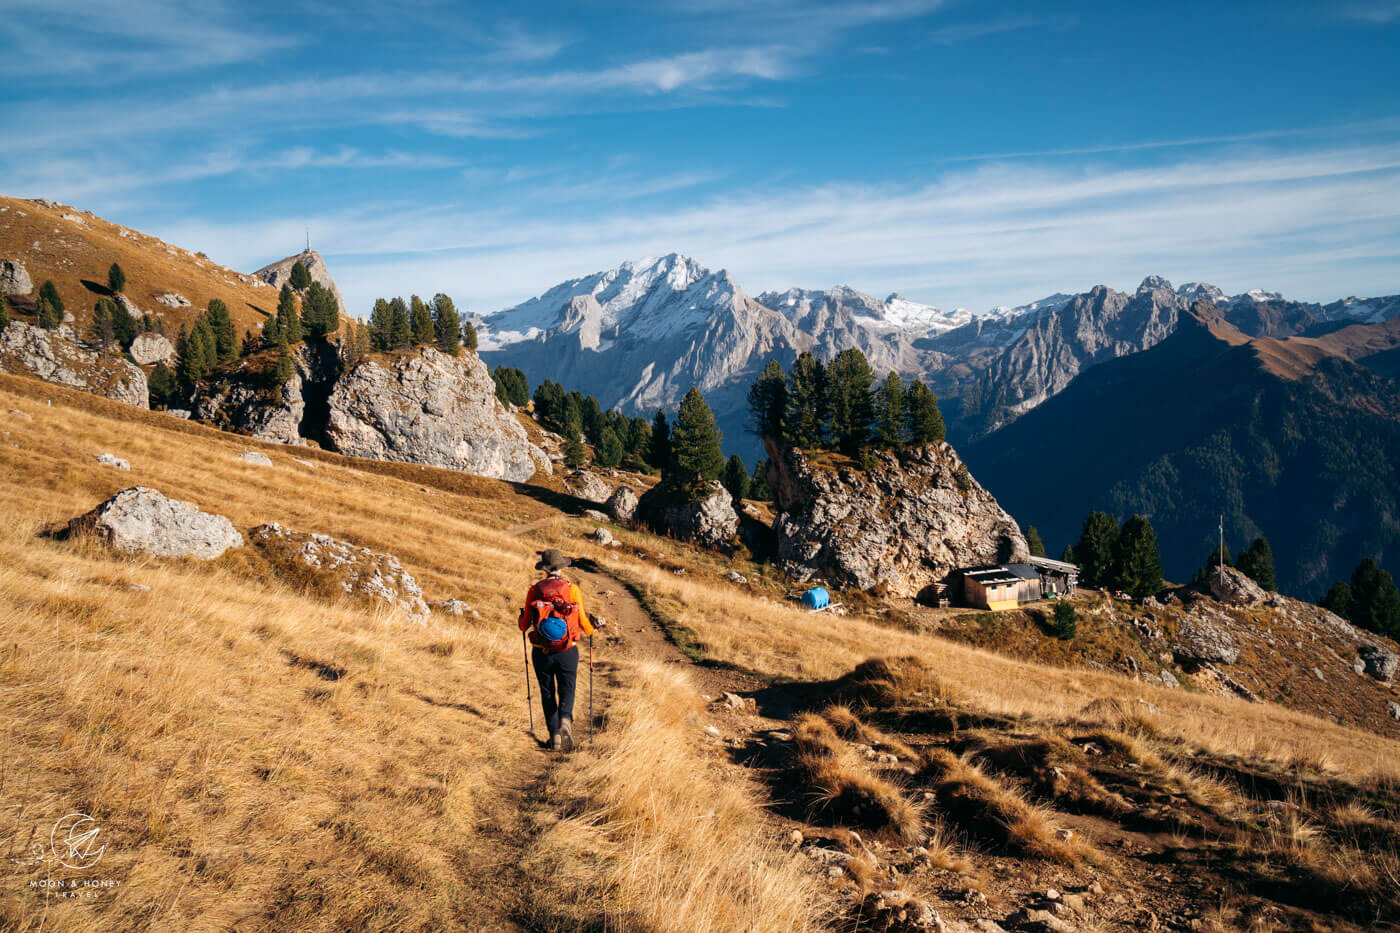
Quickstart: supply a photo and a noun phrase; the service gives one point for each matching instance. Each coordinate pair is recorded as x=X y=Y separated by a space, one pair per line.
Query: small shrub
x=1066 y=621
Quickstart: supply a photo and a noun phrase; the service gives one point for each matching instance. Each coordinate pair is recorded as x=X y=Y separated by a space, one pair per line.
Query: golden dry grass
x=666 y=838
x=778 y=639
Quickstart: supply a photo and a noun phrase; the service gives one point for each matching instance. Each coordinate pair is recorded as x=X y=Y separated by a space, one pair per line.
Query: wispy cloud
x=961 y=32
x=1386 y=11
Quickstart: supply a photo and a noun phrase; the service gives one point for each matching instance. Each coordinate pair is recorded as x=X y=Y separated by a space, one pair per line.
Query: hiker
x=554 y=620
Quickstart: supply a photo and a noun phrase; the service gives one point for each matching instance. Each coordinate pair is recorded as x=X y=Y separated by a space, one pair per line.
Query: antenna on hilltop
x=308 y=239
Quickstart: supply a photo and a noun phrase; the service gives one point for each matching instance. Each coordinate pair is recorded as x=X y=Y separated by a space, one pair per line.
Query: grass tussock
x=889 y=682
x=842 y=790
x=662 y=836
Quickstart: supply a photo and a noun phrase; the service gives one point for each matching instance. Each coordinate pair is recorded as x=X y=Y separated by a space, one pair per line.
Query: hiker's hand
x=600 y=623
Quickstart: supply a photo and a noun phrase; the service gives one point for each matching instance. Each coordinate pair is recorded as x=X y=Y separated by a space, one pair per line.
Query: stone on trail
x=602 y=536
x=140 y=520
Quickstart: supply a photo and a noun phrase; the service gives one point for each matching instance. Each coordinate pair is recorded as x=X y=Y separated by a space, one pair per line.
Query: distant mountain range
x=639 y=336
x=1297 y=439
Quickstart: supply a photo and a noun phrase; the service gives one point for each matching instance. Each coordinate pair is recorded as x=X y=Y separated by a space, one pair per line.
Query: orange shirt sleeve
x=576 y=596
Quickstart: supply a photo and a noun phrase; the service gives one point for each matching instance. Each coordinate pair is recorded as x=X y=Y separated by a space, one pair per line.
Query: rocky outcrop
x=141 y=520
x=280 y=272
x=14 y=278
x=431 y=408
x=172 y=300
x=243 y=401
x=1204 y=636
x=588 y=485
x=701 y=512
x=58 y=356
x=349 y=568
x=112 y=460
x=150 y=348
x=622 y=505
x=1379 y=662
x=904 y=524
x=1229 y=585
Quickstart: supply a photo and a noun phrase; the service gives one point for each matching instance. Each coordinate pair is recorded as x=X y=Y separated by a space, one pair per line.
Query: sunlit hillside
x=261 y=756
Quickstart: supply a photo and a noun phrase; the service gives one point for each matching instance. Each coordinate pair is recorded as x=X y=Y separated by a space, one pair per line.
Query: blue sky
x=964 y=153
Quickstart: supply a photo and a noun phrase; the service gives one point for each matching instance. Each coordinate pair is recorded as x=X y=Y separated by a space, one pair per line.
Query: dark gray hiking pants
x=558 y=675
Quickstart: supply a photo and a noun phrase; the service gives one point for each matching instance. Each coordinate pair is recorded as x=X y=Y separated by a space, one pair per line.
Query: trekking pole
x=590 y=691
x=529 y=699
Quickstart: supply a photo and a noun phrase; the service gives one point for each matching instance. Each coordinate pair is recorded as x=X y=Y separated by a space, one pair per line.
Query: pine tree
x=284 y=368
x=49 y=317
x=420 y=322
x=225 y=337
x=1094 y=552
x=850 y=383
x=768 y=402
x=161 y=384
x=469 y=338
x=806 y=384
x=270 y=331
x=400 y=331
x=300 y=278
x=1137 y=566
x=1066 y=622
x=191 y=364
x=320 y=312
x=1257 y=563
x=1375 y=600
x=609 y=451
x=1067 y=555
x=50 y=291
x=4 y=312
x=116 y=279
x=736 y=478
x=695 y=441
x=925 y=420
x=575 y=454
x=380 y=325
x=288 y=316
x=659 y=448
x=447 y=324
x=1339 y=600
x=208 y=343
x=123 y=324
x=889 y=413
x=249 y=345
x=759 y=489
x=1037 y=547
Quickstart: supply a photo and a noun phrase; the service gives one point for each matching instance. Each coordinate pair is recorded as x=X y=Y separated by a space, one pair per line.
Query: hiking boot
x=556 y=743
x=566 y=731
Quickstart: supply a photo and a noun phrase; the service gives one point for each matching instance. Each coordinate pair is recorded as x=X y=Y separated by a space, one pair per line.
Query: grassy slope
x=239 y=777
x=73 y=254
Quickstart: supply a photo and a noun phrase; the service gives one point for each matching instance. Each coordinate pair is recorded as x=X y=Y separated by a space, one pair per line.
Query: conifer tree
x=889 y=413
x=609 y=450
x=768 y=402
x=289 y=316
x=1094 y=552
x=575 y=454
x=249 y=345
x=191 y=364
x=123 y=324
x=380 y=325
x=736 y=478
x=1033 y=542
x=925 y=420
x=758 y=483
x=102 y=330
x=659 y=448
x=49 y=317
x=806 y=384
x=695 y=441
x=116 y=279
x=1257 y=563
x=270 y=329
x=4 y=311
x=284 y=368
x=161 y=384
x=208 y=343
x=320 y=312
x=50 y=291
x=1338 y=599
x=850 y=382
x=447 y=325
x=420 y=322
x=225 y=337
x=1066 y=621
x=1137 y=565
x=400 y=332
x=469 y=338
x=1375 y=600
x=300 y=278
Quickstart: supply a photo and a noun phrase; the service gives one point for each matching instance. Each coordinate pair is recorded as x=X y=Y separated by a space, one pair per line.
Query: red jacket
x=575 y=597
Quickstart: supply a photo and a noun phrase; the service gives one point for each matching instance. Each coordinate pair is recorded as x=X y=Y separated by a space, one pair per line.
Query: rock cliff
x=903 y=525
x=431 y=408
x=279 y=272
x=59 y=356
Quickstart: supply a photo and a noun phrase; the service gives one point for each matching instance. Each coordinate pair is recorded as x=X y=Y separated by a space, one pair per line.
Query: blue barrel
x=816 y=598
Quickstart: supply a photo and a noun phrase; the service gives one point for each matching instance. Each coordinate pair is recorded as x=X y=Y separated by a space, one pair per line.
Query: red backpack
x=554 y=618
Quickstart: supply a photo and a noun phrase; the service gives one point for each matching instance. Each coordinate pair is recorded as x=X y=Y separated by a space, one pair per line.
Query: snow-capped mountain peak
x=895 y=313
